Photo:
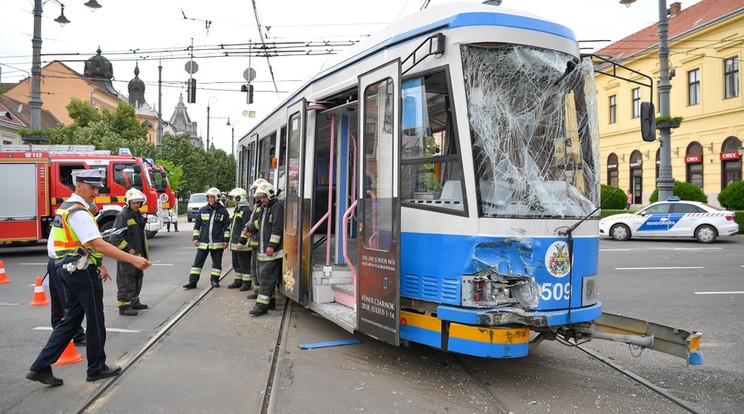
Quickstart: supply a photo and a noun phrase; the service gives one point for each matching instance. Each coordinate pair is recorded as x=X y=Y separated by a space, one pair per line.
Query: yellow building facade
x=706 y=44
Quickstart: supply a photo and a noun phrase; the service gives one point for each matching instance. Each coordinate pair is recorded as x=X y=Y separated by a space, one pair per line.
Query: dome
x=98 y=67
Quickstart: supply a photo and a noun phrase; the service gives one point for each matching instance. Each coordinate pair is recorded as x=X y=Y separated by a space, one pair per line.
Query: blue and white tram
x=433 y=180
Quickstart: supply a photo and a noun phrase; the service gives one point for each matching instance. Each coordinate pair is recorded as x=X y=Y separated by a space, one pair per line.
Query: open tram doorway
x=351 y=230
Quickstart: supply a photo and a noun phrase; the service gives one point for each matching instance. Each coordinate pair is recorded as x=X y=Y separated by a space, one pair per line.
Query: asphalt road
x=217 y=359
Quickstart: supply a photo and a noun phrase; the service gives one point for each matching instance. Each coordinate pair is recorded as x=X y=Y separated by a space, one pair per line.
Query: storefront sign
x=693 y=159
x=730 y=156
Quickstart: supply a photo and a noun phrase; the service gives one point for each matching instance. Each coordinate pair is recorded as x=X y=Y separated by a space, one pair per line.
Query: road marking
x=663 y=248
x=615 y=250
x=49 y=328
x=9 y=304
x=659 y=268
x=163 y=264
x=32 y=264
x=741 y=292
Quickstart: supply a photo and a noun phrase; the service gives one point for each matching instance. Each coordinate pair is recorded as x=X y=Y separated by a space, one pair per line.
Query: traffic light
x=191 y=91
x=249 y=89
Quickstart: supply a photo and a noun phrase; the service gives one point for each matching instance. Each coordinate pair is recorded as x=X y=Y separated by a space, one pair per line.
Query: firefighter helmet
x=267 y=189
x=134 y=195
x=257 y=183
x=238 y=194
x=214 y=192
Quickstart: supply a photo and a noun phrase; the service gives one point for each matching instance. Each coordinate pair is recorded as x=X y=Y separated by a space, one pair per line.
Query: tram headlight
x=589 y=294
x=489 y=288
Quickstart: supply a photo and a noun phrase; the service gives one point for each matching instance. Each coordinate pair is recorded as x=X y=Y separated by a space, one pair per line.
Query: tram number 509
x=556 y=291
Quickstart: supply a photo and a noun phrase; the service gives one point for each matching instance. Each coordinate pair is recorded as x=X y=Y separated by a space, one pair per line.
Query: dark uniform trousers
x=84 y=297
x=57 y=297
x=269 y=272
x=128 y=283
x=201 y=257
x=241 y=261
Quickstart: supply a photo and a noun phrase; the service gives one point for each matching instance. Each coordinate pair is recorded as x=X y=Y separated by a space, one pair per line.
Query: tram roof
x=439 y=17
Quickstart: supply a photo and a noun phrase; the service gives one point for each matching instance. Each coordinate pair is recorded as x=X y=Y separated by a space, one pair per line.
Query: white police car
x=671 y=218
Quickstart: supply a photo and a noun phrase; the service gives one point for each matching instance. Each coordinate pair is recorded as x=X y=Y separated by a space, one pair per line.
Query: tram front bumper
x=510 y=316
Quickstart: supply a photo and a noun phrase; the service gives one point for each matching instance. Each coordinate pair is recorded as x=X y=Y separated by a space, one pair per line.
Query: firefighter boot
x=215 y=282
x=139 y=306
x=190 y=285
x=236 y=284
x=259 y=309
x=272 y=304
x=127 y=311
x=246 y=286
x=252 y=295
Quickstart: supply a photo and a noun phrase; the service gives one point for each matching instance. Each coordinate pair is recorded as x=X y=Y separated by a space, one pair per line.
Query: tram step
x=344 y=294
x=336 y=276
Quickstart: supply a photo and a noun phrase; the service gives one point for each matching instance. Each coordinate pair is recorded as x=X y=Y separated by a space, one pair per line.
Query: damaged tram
x=441 y=184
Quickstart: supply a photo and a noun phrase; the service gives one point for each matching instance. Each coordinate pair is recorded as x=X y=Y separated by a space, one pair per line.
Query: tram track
x=99 y=392
x=640 y=380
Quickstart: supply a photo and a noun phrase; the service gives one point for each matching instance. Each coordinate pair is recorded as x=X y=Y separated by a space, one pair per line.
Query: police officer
x=241 y=257
x=132 y=241
x=271 y=228
x=79 y=250
x=211 y=237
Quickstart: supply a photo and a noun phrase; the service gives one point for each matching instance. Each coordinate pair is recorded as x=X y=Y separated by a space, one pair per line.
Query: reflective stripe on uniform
x=216 y=272
x=262 y=257
x=263 y=299
x=195 y=270
x=275 y=238
x=131 y=222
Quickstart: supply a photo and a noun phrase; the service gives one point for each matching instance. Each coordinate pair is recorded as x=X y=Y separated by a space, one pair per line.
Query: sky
x=161 y=31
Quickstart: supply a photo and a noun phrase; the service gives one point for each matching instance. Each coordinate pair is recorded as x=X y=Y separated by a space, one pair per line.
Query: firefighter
x=271 y=227
x=241 y=257
x=250 y=236
x=79 y=251
x=211 y=237
x=132 y=241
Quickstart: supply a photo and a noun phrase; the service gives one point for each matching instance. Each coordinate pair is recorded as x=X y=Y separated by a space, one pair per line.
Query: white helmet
x=134 y=195
x=238 y=194
x=257 y=183
x=214 y=192
x=266 y=188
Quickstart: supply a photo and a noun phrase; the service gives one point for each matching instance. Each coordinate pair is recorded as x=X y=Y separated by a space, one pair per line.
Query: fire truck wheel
x=106 y=225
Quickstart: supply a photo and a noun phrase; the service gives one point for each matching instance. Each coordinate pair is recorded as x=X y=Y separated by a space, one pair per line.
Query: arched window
x=730 y=161
x=612 y=171
x=636 y=176
x=694 y=164
x=656 y=164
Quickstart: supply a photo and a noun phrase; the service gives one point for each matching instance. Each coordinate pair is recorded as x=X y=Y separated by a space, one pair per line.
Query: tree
x=732 y=197
x=175 y=174
x=683 y=190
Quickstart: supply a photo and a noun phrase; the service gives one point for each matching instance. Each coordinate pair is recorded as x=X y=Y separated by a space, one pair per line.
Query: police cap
x=93 y=177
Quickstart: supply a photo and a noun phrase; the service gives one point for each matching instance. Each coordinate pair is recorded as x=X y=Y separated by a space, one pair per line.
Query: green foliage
x=618 y=201
x=685 y=191
x=194 y=170
x=739 y=218
x=670 y=119
x=175 y=174
x=732 y=197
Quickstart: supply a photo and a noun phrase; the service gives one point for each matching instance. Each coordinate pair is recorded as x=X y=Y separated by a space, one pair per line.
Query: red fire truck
x=36 y=179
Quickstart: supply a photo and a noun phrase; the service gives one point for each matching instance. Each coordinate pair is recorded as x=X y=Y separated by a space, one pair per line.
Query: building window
x=731 y=78
x=693 y=87
x=731 y=165
x=613 y=109
x=694 y=164
x=612 y=170
x=636 y=176
x=636 y=102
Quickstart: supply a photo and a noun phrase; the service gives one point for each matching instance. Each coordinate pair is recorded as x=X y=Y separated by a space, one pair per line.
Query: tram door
x=378 y=286
x=293 y=284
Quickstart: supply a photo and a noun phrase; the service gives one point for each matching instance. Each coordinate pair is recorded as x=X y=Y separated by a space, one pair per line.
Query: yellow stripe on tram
x=421 y=321
x=490 y=335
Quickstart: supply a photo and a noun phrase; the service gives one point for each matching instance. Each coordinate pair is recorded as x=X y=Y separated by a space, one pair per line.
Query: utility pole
x=665 y=183
x=160 y=105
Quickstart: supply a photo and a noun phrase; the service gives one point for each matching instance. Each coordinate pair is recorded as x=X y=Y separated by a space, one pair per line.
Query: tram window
x=431 y=168
x=267 y=150
x=377 y=206
x=535 y=143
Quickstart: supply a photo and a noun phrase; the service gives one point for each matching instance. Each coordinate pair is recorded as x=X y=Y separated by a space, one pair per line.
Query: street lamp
x=34 y=101
x=665 y=182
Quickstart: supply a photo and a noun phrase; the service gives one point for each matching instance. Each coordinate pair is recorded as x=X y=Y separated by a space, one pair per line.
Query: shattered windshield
x=534 y=131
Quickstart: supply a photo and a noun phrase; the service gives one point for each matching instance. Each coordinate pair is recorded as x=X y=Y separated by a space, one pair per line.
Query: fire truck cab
x=39 y=178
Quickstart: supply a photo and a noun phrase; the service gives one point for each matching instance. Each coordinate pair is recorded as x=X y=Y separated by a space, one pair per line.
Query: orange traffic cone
x=3 y=276
x=69 y=356
x=39 y=295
